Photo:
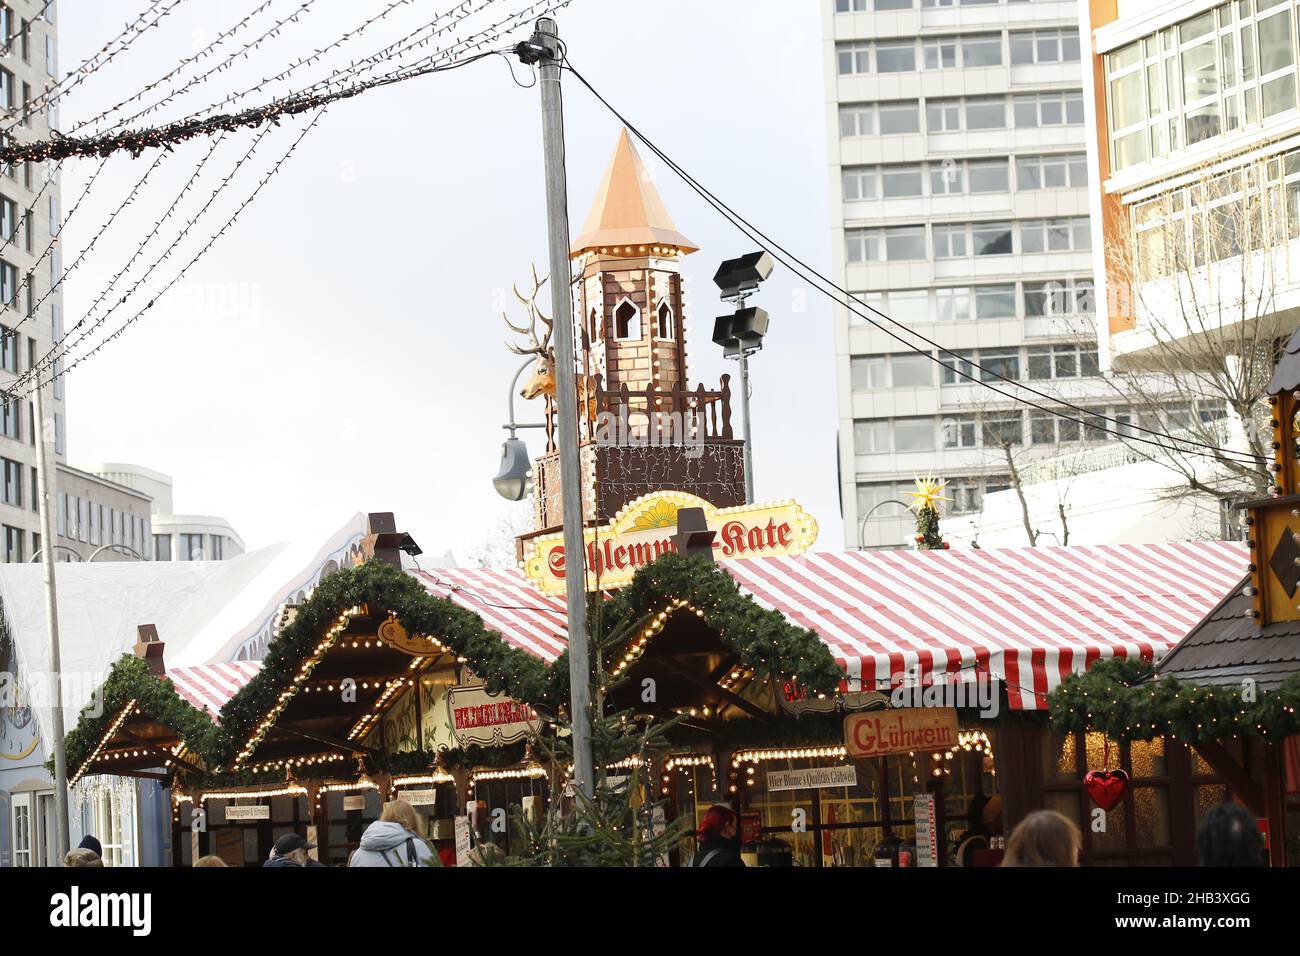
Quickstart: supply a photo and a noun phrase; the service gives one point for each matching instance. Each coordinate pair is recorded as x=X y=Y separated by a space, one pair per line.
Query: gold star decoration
x=928 y=493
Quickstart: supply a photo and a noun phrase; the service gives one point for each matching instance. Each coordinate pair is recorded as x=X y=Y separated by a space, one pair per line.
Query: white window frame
x=633 y=323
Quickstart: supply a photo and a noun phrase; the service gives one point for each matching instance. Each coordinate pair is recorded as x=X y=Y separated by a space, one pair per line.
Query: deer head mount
x=542 y=380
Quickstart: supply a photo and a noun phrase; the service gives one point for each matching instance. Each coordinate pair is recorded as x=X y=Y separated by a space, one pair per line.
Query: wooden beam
x=345 y=745
x=1275 y=802
x=1248 y=791
x=157 y=752
x=712 y=687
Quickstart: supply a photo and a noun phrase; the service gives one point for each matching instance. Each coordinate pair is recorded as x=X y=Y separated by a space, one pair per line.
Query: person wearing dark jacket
x=290 y=850
x=717 y=835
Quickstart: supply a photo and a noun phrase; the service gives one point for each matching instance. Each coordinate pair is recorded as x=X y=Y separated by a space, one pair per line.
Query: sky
x=340 y=347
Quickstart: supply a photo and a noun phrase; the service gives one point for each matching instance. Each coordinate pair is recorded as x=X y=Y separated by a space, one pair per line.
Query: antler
x=535 y=346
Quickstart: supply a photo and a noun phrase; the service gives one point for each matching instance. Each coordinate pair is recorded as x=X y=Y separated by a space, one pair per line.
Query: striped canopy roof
x=1025 y=616
x=209 y=686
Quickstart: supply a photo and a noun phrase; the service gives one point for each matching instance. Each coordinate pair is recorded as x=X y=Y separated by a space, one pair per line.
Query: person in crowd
x=290 y=850
x=1044 y=838
x=82 y=857
x=394 y=840
x=88 y=842
x=718 y=842
x=1228 y=836
x=210 y=860
x=983 y=821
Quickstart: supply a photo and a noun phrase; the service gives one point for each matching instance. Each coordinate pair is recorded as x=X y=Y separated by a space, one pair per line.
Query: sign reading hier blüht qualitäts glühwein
x=644 y=530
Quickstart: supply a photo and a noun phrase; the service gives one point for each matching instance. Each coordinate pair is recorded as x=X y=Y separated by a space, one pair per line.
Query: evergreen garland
x=764 y=640
x=382 y=587
x=130 y=679
x=1121 y=698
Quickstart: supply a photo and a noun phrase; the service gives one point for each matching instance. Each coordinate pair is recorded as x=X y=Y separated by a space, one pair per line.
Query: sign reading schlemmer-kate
x=644 y=530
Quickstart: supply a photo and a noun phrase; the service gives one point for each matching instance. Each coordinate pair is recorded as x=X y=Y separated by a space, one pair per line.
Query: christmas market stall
x=1231 y=688
x=936 y=731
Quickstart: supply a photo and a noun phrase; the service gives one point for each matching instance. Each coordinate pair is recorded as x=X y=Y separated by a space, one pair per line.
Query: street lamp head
x=740 y=277
x=741 y=331
x=513 y=480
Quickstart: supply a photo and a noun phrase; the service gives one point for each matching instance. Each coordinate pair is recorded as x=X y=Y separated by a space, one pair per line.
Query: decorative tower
x=1272 y=523
x=643 y=428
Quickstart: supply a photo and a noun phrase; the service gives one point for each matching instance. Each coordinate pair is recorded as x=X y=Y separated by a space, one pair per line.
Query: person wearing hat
x=290 y=850
x=88 y=842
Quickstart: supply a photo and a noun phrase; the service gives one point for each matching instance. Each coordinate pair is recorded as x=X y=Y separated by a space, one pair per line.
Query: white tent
x=204 y=611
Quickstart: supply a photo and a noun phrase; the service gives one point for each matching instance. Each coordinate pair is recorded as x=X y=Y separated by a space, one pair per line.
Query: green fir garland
x=1121 y=698
x=130 y=679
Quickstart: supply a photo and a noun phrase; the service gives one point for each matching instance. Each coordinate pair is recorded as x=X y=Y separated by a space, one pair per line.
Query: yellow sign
x=394 y=635
x=644 y=529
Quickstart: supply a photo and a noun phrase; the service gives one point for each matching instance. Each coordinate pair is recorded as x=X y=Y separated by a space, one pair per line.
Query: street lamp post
x=862 y=525
x=546 y=50
x=741 y=334
x=511 y=481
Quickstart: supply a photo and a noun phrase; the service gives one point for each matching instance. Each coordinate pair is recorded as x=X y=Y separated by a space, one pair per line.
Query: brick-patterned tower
x=630 y=292
x=632 y=357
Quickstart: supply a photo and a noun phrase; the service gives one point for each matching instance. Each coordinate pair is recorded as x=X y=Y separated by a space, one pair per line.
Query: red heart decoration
x=1106 y=787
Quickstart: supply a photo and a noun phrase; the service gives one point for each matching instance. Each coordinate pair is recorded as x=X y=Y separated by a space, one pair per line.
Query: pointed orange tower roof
x=628 y=211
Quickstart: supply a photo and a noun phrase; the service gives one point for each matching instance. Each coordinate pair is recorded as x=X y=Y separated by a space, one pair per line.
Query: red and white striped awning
x=1025 y=616
x=209 y=686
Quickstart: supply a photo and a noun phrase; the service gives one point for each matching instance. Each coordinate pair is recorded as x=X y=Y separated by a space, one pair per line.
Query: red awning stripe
x=1026 y=616
x=211 y=685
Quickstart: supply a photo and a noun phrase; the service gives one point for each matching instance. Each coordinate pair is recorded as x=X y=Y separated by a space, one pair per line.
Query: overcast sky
x=340 y=349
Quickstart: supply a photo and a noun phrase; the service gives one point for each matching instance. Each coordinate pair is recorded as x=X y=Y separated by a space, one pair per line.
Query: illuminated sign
x=644 y=530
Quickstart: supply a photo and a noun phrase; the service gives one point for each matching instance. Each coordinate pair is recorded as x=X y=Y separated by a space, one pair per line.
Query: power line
x=319 y=54
x=195 y=57
x=34 y=372
x=136 y=142
x=88 y=66
x=800 y=268
x=488 y=35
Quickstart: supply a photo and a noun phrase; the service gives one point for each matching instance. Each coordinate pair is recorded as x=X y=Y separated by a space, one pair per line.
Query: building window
x=859 y=182
x=995 y=301
x=940 y=53
x=627 y=321
x=83 y=519
x=1055 y=235
x=1061 y=361
x=853 y=58
x=1051 y=172
x=8 y=284
x=953 y=304
x=913 y=434
x=959 y=432
x=1058 y=297
x=11 y=475
x=956 y=368
x=988 y=176
x=899 y=181
x=868 y=372
x=991 y=238
x=949 y=242
x=871 y=437
x=1048 y=109
x=1045 y=46
x=13 y=545
x=1002 y=430
x=191 y=547
x=59 y=437
x=216 y=544
x=998 y=364
x=162 y=547
x=888 y=118
x=912 y=370
x=986 y=50
x=988 y=112
x=895 y=56
x=11 y=417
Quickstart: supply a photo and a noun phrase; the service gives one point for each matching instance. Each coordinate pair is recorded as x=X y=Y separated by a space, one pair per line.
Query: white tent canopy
x=204 y=611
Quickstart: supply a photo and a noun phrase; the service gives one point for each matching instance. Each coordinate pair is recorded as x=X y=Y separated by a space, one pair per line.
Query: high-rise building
x=960 y=210
x=31 y=304
x=1196 y=192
